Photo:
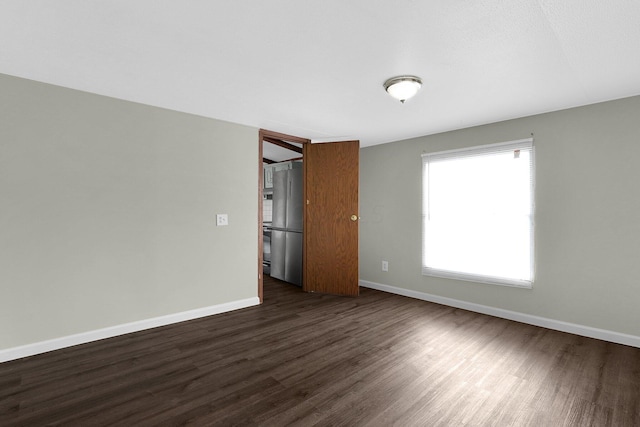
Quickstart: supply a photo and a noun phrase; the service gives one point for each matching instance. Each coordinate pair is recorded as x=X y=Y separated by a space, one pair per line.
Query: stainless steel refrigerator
x=287 y=233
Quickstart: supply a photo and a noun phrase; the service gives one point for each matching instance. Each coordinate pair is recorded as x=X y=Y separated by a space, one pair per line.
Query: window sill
x=501 y=281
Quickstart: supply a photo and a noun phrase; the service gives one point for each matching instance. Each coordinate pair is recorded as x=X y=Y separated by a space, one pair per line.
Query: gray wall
x=108 y=210
x=587 y=215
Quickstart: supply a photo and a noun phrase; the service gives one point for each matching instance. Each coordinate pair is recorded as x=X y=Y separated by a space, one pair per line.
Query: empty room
x=408 y=213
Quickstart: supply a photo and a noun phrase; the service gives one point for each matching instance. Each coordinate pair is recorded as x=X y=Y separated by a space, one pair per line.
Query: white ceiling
x=279 y=154
x=315 y=69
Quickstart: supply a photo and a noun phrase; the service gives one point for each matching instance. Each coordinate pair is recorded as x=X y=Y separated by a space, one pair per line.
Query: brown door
x=331 y=218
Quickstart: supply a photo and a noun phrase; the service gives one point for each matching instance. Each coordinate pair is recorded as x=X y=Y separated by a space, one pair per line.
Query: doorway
x=330 y=213
x=277 y=152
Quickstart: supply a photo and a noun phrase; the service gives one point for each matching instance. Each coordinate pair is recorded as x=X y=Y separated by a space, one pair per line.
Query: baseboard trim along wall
x=572 y=328
x=113 y=331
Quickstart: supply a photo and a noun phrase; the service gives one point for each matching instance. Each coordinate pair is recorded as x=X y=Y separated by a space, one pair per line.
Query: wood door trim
x=263 y=135
x=284 y=137
x=260 y=232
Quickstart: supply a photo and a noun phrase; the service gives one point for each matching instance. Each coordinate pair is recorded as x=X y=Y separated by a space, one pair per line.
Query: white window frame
x=466 y=152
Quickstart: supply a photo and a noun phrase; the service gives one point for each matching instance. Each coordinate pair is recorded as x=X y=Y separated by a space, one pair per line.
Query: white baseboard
x=572 y=328
x=99 y=334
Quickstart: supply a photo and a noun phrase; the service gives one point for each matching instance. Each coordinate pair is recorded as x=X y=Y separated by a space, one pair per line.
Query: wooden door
x=331 y=218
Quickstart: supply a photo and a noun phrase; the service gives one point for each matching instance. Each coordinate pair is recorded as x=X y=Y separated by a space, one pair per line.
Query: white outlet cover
x=222 y=219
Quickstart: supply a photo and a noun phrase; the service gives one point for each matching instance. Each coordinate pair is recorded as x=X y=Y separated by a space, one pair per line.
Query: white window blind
x=478 y=213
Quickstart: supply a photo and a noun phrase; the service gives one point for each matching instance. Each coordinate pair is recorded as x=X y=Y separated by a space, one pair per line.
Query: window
x=478 y=214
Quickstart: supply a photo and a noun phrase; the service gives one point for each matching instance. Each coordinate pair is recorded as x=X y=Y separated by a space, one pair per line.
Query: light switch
x=222 y=219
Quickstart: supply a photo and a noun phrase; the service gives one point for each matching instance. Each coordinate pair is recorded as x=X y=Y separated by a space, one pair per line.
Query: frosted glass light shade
x=403 y=87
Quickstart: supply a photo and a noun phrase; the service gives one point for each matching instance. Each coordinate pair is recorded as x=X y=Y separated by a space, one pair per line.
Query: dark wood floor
x=308 y=359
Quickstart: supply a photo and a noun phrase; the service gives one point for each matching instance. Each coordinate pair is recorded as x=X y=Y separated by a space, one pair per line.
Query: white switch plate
x=385 y=265
x=222 y=219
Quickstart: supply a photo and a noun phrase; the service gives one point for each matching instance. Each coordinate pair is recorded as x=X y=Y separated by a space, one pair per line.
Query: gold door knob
x=354 y=217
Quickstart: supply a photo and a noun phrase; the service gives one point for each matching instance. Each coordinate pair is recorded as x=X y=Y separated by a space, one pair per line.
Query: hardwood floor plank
x=309 y=359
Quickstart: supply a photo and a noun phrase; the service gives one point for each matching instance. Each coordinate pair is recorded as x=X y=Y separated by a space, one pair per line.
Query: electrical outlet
x=385 y=265
x=222 y=219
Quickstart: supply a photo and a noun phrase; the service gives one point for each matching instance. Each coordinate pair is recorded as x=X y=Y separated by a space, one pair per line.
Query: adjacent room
x=335 y=213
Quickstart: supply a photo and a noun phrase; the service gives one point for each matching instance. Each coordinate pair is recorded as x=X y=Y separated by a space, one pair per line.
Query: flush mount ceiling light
x=403 y=87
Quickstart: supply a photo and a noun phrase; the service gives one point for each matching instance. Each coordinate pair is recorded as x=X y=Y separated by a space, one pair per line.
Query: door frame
x=287 y=138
